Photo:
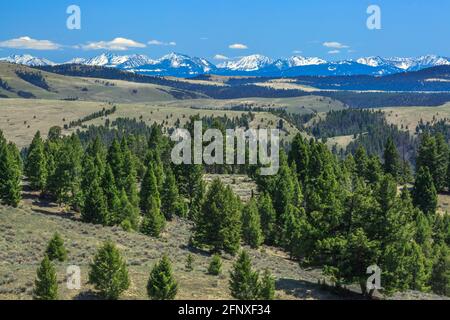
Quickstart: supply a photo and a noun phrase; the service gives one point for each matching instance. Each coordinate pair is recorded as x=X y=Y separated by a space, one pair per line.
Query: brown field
x=21 y=118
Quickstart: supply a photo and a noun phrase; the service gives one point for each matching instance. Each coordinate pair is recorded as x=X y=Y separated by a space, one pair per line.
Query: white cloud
x=334 y=52
x=29 y=43
x=238 y=46
x=334 y=45
x=220 y=57
x=118 y=44
x=297 y=51
x=161 y=43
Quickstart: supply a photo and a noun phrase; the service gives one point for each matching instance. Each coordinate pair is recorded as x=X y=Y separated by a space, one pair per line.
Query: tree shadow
x=87 y=295
x=308 y=290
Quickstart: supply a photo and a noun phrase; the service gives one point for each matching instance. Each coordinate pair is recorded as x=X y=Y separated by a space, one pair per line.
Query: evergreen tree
x=161 y=284
x=154 y=221
x=94 y=209
x=129 y=174
x=427 y=156
x=126 y=214
x=189 y=263
x=440 y=277
x=424 y=193
x=251 y=225
x=46 y=283
x=65 y=180
x=171 y=203
x=10 y=174
x=36 y=164
x=442 y=160
x=268 y=218
x=219 y=223
x=244 y=282
x=215 y=266
x=108 y=272
x=361 y=161
x=391 y=158
x=267 y=290
x=55 y=249
x=108 y=185
x=300 y=155
x=115 y=160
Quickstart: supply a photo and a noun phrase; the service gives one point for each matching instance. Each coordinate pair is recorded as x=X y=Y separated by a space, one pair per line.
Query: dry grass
x=24 y=233
x=409 y=117
x=21 y=118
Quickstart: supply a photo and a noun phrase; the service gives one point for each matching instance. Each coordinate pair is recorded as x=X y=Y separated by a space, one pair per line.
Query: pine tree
x=251 y=225
x=10 y=174
x=108 y=185
x=126 y=214
x=267 y=290
x=391 y=159
x=427 y=156
x=189 y=263
x=215 y=266
x=218 y=225
x=115 y=160
x=46 y=284
x=154 y=221
x=36 y=164
x=129 y=174
x=361 y=161
x=161 y=284
x=424 y=193
x=440 y=277
x=55 y=249
x=442 y=160
x=65 y=180
x=300 y=154
x=268 y=218
x=244 y=282
x=108 y=272
x=171 y=203
x=94 y=209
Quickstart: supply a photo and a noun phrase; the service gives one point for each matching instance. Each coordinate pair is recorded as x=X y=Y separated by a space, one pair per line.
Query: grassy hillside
x=25 y=232
x=410 y=116
x=85 y=89
x=21 y=118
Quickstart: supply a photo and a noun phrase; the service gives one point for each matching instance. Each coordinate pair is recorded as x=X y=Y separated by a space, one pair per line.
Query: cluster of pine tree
x=344 y=215
x=124 y=184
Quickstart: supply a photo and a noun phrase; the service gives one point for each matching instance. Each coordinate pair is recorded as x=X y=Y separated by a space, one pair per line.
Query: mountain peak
x=28 y=60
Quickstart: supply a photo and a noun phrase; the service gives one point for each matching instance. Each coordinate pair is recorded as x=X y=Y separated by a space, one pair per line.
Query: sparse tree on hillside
x=161 y=284
x=154 y=221
x=244 y=282
x=215 y=266
x=108 y=272
x=55 y=249
x=219 y=223
x=251 y=225
x=36 y=164
x=46 y=284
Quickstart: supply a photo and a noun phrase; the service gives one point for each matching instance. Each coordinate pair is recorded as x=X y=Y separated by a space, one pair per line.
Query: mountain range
x=180 y=65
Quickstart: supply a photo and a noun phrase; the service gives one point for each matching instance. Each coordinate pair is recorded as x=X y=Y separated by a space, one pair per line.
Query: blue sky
x=206 y=28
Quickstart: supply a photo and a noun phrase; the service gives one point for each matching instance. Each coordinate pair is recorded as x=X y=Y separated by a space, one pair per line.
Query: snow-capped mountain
x=406 y=64
x=28 y=60
x=247 y=64
x=114 y=61
x=180 y=65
